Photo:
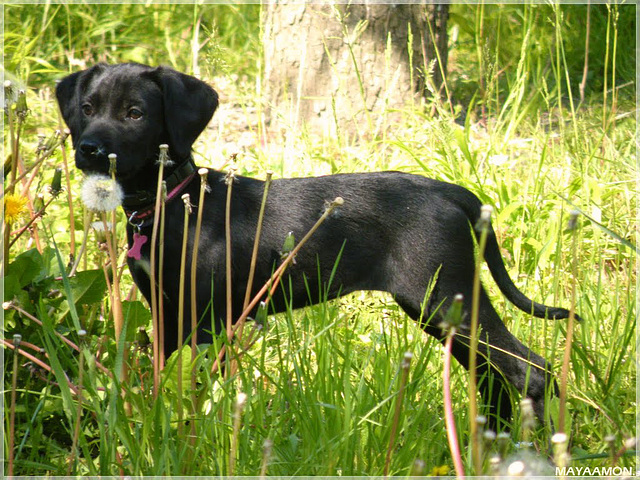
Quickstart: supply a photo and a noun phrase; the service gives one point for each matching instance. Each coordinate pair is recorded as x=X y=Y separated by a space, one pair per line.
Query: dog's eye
x=87 y=109
x=134 y=114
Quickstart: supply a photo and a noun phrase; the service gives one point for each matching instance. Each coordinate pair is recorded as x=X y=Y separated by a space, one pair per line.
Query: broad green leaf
x=26 y=267
x=136 y=315
x=86 y=287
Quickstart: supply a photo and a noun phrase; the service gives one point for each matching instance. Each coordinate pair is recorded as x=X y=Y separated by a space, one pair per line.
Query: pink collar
x=144 y=217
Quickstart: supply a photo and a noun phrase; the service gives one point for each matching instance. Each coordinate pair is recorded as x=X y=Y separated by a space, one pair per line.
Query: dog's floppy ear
x=189 y=104
x=68 y=95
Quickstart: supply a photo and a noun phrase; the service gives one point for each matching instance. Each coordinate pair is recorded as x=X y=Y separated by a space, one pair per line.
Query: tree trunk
x=347 y=67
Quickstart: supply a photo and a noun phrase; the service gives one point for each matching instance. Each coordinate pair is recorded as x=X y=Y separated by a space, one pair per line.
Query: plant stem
x=614 y=92
x=564 y=375
x=76 y=431
x=606 y=71
x=116 y=301
x=252 y=267
x=583 y=83
x=227 y=235
x=194 y=308
x=272 y=283
x=6 y=233
x=160 y=338
x=406 y=363
x=83 y=245
x=36 y=163
x=237 y=418
x=30 y=222
x=256 y=243
x=267 y=447
x=194 y=260
x=440 y=66
x=229 y=294
x=163 y=159
x=58 y=334
x=183 y=262
x=12 y=409
x=483 y=228
x=35 y=360
x=450 y=423
x=65 y=164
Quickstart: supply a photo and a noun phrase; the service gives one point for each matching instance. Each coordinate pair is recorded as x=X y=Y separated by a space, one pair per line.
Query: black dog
x=393 y=233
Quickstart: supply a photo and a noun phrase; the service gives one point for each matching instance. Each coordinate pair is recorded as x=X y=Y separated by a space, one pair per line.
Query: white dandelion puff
x=101 y=193
x=101 y=229
x=99 y=226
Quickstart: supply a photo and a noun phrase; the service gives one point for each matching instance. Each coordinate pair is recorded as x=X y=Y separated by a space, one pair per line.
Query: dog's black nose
x=89 y=148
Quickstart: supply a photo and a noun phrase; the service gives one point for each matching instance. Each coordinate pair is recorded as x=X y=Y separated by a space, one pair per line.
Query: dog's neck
x=139 y=205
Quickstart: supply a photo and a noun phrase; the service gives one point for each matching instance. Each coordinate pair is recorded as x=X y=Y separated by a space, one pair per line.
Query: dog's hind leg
x=501 y=358
x=527 y=371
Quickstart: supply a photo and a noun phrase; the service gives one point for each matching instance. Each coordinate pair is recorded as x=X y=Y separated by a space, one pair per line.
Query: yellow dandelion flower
x=439 y=471
x=14 y=208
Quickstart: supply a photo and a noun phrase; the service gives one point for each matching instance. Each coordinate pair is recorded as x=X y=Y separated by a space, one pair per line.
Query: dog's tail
x=472 y=206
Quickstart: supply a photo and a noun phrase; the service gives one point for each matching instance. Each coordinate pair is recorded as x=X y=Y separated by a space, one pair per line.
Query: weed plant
x=327 y=390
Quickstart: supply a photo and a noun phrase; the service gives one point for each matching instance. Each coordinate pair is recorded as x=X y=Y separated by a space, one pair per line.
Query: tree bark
x=348 y=67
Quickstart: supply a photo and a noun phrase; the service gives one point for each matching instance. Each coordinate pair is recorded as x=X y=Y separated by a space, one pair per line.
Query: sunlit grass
x=322 y=383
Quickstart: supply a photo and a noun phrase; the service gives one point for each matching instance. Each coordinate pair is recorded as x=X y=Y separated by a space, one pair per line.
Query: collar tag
x=135 y=251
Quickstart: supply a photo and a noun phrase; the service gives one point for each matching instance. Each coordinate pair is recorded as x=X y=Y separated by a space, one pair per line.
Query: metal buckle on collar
x=132 y=223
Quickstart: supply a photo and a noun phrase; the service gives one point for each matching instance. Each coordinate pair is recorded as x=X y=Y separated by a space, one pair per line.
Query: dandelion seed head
x=101 y=194
x=101 y=230
x=99 y=226
x=525 y=464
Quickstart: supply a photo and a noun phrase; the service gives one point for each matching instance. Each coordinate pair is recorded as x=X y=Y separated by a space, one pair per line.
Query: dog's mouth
x=93 y=170
x=102 y=166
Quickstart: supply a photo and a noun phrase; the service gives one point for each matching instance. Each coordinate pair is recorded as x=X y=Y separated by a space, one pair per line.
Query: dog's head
x=129 y=110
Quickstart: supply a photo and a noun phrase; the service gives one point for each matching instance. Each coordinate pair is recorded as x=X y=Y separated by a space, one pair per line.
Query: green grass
x=322 y=383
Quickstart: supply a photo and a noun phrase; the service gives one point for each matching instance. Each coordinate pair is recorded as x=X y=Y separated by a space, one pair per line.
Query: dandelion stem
x=76 y=262
x=152 y=272
x=12 y=411
x=58 y=334
x=183 y=262
x=65 y=164
x=256 y=243
x=8 y=92
x=194 y=309
x=227 y=232
x=483 y=229
x=450 y=423
x=112 y=169
x=229 y=294
x=252 y=267
x=37 y=361
x=273 y=281
x=267 y=447
x=161 y=277
x=116 y=301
